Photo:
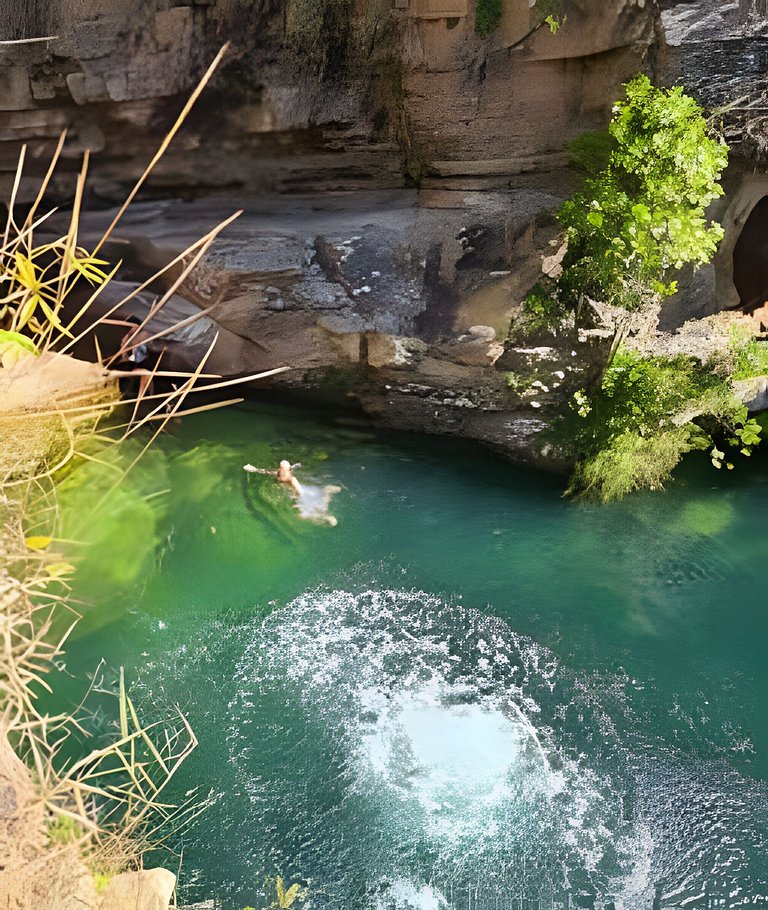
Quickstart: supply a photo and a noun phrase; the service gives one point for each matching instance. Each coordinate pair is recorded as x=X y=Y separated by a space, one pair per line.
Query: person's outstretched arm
x=251 y=470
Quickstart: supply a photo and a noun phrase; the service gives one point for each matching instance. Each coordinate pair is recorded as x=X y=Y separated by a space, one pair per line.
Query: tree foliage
x=649 y=411
x=643 y=215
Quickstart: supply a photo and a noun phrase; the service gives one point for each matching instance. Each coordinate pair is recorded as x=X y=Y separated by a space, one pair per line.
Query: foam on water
x=425 y=710
x=398 y=750
x=402 y=894
x=314 y=502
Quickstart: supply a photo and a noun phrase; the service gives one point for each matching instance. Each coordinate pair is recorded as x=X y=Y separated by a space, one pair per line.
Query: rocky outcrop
x=402 y=297
x=38 y=875
x=403 y=302
x=34 y=875
x=116 y=74
x=150 y=889
x=717 y=51
x=500 y=111
x=44 y=401
x=417 y=96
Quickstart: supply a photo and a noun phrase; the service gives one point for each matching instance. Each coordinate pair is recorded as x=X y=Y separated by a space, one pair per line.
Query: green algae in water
x=122 y=528
x=706 y=517
x=114 y=523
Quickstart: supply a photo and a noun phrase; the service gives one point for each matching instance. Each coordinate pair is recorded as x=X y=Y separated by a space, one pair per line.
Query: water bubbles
x=417 y=715
x=402 y=894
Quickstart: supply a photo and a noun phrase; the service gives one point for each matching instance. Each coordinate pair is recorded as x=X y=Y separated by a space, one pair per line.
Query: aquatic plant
x=287 y=897
x=643 y=215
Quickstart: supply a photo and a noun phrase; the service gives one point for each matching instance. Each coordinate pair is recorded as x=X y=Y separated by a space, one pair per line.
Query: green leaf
x=88 y=267
x=59 y=569
x=18 y=339
x=54 y=319
x=642 y=213
x=26 y=311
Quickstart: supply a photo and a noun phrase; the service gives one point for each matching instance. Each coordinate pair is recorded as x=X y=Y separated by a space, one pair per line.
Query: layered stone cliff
x=399 y=180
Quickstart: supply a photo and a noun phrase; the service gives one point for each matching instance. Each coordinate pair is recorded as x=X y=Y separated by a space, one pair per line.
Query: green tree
x=643 y=215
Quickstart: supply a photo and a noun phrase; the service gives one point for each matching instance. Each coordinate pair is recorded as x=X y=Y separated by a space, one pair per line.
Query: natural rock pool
x=467 y=693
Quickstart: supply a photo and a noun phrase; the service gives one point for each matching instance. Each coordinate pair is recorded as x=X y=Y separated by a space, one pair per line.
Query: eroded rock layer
x=399 y=175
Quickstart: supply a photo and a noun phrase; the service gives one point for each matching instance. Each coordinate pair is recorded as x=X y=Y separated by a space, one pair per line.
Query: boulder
x=150 y=889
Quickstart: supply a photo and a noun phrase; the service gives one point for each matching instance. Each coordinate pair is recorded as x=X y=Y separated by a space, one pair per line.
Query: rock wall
x=490 y=111
x=398 y=201
x=419 y=94
x=719 y=53
x=116 y=74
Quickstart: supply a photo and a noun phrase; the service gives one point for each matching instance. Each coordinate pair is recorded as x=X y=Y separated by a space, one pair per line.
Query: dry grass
x=111 y=801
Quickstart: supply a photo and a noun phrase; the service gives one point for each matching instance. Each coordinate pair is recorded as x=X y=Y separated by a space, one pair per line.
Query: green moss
x=514 y=381
x=591 y=152
x=704 y=518
x=542 y=312
x=101 y=880
x=63 y=830
x=750 y=358
x=631 y=462
x=487 y=16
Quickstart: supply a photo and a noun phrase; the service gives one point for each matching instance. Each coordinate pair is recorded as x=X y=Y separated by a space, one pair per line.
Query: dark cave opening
x=750 y=259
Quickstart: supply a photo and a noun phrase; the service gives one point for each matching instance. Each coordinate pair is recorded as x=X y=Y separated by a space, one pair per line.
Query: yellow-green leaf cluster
x=34 y=284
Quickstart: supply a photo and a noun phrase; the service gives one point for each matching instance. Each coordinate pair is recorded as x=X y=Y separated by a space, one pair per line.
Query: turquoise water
x=466 y=693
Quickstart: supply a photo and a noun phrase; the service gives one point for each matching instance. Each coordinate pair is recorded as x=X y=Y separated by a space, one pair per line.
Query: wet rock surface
x=402 y=300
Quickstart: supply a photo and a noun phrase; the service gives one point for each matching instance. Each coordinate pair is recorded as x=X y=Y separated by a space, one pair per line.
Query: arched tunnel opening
x=750 y=263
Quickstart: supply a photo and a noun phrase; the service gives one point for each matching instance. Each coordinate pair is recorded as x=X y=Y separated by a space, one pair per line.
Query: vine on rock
x=632 y=432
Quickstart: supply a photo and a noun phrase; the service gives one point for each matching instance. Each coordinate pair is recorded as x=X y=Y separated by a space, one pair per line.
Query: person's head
x=285 y=465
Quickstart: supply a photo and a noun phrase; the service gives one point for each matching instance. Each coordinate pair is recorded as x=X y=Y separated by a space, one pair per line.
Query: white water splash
x=430 y=709
x=402 y=894
x=458 y=759
x=314 y=503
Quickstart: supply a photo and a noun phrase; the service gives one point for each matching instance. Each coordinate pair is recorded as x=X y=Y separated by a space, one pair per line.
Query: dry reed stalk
x=115 y=794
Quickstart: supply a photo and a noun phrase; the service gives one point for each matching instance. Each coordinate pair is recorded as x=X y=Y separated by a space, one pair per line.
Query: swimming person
x=312 y=501
x=284 y=474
